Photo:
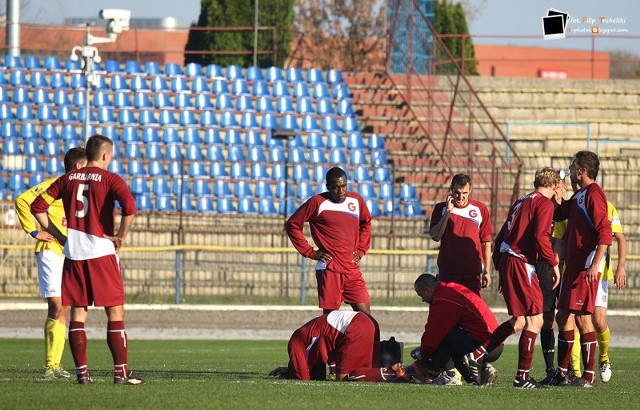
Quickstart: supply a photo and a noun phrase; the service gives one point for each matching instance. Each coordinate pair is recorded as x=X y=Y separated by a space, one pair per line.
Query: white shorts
x=50 y=273
x=602 y=297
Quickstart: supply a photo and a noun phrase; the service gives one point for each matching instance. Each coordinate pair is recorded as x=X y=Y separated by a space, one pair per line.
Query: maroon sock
x=565 y=344
x=117 y=342
x=499 y=335
x=526 y=347
x=588 y=343
x=78 y=346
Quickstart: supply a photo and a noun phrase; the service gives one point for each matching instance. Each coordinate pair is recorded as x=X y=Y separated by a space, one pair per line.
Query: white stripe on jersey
x=82 y=246
x=470 y=212
x=349 y=206
x=341 y=320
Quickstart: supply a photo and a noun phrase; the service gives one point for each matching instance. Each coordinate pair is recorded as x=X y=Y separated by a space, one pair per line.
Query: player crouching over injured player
x=350 y=340
x=459 y=320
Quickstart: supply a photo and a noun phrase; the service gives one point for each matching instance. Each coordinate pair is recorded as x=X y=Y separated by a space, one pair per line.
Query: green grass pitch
x=233 y=374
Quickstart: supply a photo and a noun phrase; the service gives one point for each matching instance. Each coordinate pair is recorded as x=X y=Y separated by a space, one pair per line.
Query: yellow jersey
x=559 y=229
x=27 y=221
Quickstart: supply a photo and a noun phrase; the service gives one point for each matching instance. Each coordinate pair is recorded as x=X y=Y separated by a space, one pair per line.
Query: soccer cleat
x=131 y=379
x=474 y=367
x=415 y=374
x=445 y=379
x=48 y=374
x=489 y=375
x=61 y=373
x=557 y=379
x=86 y=379
x=580 y=382
x=605 y=371
x=529 y=383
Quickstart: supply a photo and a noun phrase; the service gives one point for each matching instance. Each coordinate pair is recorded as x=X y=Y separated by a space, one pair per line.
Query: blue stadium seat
x=11 y=146
x=267 y=207
x=244 y=103
x=52 y=63
x=66 y=114
x=310 y=123
x=285 y=105
x=214 y=71
x=173 y=151
x=38 y=79
x=314 y=76
x=18 y=78
x=254 y=73
x=224 y=101
x=61 y=97
x=67 y=132
x=290 y=122
x=21 y=95
x=5 y=112
x=256 y=154
x=374 y=207
x=239 y=87
x=143 y=202
x=197 y=169
x=153 y=151
x=334 y=76
x=208 y=119
x=17 y=183
x=203 y=102
x=172 y=69
x=361 y=174
x=274 y=74
x=345 y=108
x=294 y=74
x=217 y=170
x=179 y=184
x=101 y=99
x=253 y=138
x=280 y=189
x=221 y=188
x=111 y=132
x=193 y=70
x=235 y=153
x=4 y=95
x=132 y=67
x=162 y=100
x=242 y=189
x=164 y=204
x=119 y=82
x=191 y=136
x=320 y=90
x=159 y=83
x=112 y=66
x=228 y=119
x=212 y=137
x=305 y=106
x=317 y=156
x=325 y=107
x=412 y=209
x=72 y=65
x=12 y=61
x=297 y=155
x=36 y=179
x=24 y=112
x=337 y=156
x=259 y=171
x=179 y=84
x=300 y=90
x=58 y=81
x=160 y=186
x=301 y=173
x=28 y=131
x=214 y=153
x=174 y=169
x=238 y=170
x=280 y=89
x=379 y=157
x=141 y=100
x=130 y=134
x=201 y=187
x=199 y=85
x=9 y=129
x=385 y=190
x=156 y=168
x=54 y=166
x=150 y=135
x=407 y=192
x=152 y=68
x=392 y=208
x=382 y=174
x=135 y=167
x=249 y=121
x=234 y=72
x=264 y=104
x=263 y=189
x=350 y=124
x=329 y=124
x=247 y=206
x=193 y=152
x=291 y=207
x=304 y=190
x=358 y=157
x=226 y=206
x=204 y=204
x=276 y=154
x=187 y=118
x=341 y=92
x=127 y=117
x=269 y=121
x=314 y=140
x=355 y=141
x=106 y=115
x=148 y=117
x=220 y=86
x=318 y=173
x=45 y=113
x=260 y=88
x=139 y=83
x=82 y=112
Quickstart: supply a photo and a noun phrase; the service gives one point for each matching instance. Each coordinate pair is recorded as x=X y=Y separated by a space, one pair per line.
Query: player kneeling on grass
x=348 y=339
x=458 y=321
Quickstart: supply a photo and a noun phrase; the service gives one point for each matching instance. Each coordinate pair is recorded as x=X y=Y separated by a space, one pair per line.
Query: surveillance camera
x=118 y=20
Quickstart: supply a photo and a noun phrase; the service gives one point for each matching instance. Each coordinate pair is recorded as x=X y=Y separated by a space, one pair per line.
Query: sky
x=498 y=22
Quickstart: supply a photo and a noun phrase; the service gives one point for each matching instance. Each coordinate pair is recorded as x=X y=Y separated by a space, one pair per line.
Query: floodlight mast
x=118 y=21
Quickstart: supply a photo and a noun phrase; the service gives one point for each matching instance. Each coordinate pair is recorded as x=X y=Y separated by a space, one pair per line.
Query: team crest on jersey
x=473 y=213
x=351 y=206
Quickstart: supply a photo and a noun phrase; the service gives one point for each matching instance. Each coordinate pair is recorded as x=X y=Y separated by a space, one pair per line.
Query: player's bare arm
x=485 y=280
x=438 y=229
x=620 y=276
x=556 y=276
x=593 y=270
x=281 y=372
x=321 y=255
x=50 y=227
x=125 y=223
x=356 y=258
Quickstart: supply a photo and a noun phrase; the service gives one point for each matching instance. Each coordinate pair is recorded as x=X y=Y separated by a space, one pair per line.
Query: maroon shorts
x=576 y=294
x=359 y=346
x=520 y=287
x=334 y=288
x=95 y=282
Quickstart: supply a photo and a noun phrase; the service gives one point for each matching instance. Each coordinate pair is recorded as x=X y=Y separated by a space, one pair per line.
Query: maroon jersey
x=527 y=232
x=460 y=256
x=454 y=305
x=89 y=196
x=338 y=228
x=588 y=226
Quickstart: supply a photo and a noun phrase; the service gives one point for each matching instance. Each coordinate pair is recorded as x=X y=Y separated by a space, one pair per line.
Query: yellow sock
x=603 y=344
x=49 y=341
x=575 y=356
x=59 y=342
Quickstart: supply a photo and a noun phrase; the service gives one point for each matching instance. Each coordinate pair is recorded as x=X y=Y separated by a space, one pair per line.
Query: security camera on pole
x=117 y=22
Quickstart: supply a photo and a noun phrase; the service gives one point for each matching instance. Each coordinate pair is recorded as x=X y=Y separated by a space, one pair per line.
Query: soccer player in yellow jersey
x=49 y=259
x=600 y=312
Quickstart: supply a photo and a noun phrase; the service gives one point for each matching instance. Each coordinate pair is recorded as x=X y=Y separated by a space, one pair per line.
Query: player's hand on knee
x=281 y=372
